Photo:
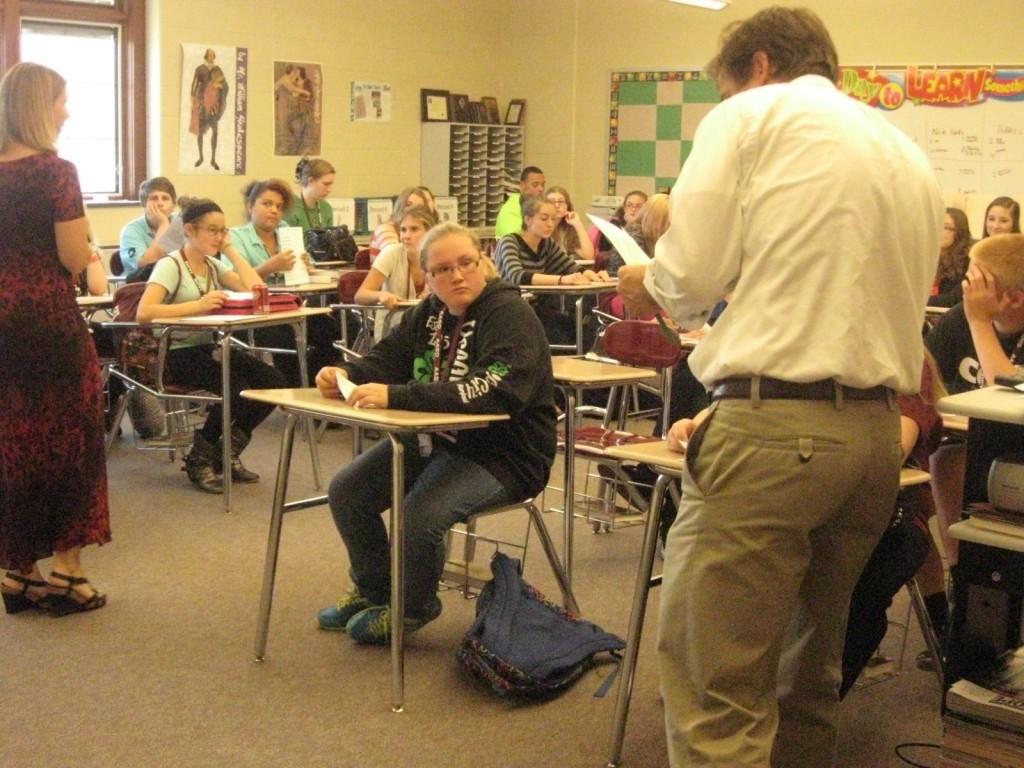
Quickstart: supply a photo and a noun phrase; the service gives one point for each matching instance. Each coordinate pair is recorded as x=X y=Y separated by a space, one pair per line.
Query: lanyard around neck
x=453 y=345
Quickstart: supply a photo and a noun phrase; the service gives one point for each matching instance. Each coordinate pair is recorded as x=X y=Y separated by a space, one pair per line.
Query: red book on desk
x=279 y=302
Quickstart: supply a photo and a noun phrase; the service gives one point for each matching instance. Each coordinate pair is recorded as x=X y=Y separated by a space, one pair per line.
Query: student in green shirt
x=510 y=217
x=311 y=209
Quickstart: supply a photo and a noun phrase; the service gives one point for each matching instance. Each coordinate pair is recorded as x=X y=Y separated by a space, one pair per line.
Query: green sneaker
x=335 y=617
x=372 y=626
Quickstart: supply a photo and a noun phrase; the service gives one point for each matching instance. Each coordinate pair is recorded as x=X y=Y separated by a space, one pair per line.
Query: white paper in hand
x=627 y=247
x=345 y=386
x=290 y=239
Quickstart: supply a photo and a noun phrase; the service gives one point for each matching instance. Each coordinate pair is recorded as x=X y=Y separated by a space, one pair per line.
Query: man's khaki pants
x=783 y=503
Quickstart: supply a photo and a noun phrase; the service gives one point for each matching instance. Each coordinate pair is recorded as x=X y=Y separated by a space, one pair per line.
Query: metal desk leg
x=300 y=349
x=225 y=394
x=397 y=574
x=579 y=325
x=274 y=538
x=636 y=621
x=569 y=502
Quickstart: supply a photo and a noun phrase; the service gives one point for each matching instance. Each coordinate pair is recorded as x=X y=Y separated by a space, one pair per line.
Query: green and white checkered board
x=653 y=118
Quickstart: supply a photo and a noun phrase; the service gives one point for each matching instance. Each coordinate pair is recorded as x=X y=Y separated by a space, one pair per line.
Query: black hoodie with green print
x=502 y=364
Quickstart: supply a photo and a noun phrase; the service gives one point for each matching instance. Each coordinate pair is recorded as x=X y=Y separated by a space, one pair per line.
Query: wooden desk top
x=975 y=531
x=654 y=454
x=954 y=423
x=105 y=301
x=224 y=321
x=311 y=402
x=909 y=477
x=602 y=287
x=991 y=403
x=581 y=372
x=305 y=288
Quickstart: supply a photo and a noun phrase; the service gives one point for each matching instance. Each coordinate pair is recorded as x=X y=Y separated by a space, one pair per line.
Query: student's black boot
x=239 y=439
x=201 y=465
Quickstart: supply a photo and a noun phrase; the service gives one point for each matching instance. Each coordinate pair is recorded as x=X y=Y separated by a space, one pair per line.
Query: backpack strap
x=174 y=293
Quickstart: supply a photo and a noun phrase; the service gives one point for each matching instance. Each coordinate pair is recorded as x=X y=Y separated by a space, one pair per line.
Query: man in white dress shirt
x=822 y=221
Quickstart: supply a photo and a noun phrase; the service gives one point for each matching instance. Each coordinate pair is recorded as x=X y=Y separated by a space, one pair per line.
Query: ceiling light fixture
x=711 y=5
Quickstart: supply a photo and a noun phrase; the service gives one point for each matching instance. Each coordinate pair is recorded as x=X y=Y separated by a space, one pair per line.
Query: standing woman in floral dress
x=53 y=474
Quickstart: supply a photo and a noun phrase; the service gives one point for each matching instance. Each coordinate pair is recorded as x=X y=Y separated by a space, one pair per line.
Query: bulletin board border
x=624 y=76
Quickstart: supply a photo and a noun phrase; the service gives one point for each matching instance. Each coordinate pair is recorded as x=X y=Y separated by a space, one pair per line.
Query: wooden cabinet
x=477 y=164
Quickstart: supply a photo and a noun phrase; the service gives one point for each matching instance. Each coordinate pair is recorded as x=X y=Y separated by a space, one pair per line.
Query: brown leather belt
x=776 y=389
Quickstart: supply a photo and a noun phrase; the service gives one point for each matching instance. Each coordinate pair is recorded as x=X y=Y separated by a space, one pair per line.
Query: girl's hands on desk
x=327 y=381
x=212 y=300
x=574 y=278
x=369 y=396
x=388 y=299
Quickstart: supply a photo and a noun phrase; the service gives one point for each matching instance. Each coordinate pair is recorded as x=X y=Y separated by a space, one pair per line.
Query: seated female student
x=954 y=251
x=906 y=546
x=396 y=274
x=624 y=214
x=530 y=257
x=312 y=211
x=386 y=233
x=192 y=282
x=1002 y=217
x=569 y=233
x=267 y=202
x=489 y=356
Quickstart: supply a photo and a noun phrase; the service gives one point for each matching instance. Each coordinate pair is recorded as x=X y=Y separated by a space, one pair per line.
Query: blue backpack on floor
x=523 y=645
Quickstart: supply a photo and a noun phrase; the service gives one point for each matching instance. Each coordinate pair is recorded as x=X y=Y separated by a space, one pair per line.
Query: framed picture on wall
x=491 y=107
x=514 y=113
x=477 y=113
x=434 y=106
x=458 y=108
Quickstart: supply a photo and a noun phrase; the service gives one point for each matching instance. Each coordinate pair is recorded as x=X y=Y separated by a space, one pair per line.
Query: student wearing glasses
x=473 y=346
x=192 y=281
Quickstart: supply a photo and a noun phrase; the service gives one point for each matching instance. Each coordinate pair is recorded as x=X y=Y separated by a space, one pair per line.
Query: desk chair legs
x=303 y=360
x=643 y=584
x=927 y=630
x=397 y=573
x=274 y=537
x=561 y=575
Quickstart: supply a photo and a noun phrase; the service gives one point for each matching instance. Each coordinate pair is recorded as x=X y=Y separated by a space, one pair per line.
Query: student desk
x=578 y=291
x=310 y=403
x=988 y=580
x=226 y=326
x=573 y=374
x=116 y=281
x=668 y=465
x=90 y=305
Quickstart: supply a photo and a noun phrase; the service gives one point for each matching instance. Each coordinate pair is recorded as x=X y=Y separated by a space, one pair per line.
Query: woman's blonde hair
x=443 y=230
x=28 y=93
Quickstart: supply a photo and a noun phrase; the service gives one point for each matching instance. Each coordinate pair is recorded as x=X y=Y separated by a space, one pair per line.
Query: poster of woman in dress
x=298 y=101
x=213 y=104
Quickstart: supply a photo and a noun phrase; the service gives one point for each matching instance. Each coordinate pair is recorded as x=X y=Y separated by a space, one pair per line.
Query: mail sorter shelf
x=478 y=164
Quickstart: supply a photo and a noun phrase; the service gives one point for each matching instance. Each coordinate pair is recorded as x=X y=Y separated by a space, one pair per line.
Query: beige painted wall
x=418 y=44
x=557 y=54
x=657 y=34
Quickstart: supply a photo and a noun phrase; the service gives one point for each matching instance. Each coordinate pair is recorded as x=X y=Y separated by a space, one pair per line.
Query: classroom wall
x=656 y=34
x=410 y=44
x=557 y=54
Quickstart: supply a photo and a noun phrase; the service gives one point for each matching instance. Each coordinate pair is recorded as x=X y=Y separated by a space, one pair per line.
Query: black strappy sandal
x=65 y=601
x=22 y=599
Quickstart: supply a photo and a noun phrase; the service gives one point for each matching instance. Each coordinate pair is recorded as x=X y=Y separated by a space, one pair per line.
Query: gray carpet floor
x=165 y=674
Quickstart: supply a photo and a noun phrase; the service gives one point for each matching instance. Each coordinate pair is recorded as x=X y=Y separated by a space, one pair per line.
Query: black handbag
x=331 y=244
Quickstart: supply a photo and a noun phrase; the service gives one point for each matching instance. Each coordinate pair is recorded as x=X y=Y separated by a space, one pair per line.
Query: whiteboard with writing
x=968 y=121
